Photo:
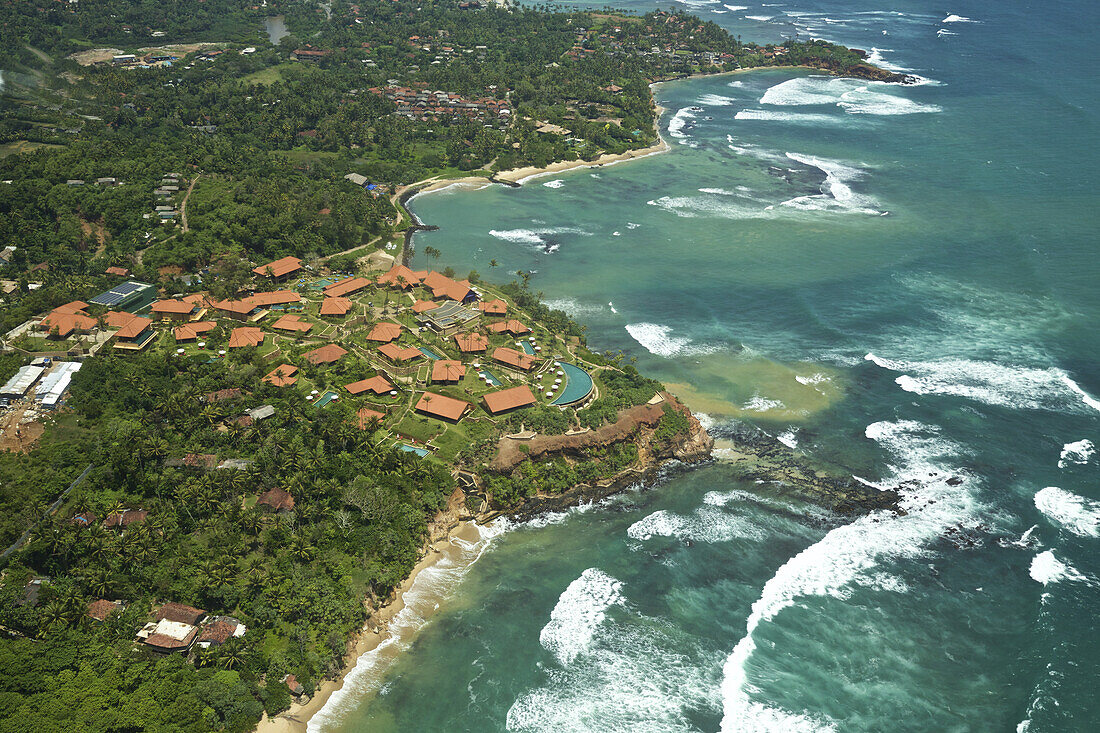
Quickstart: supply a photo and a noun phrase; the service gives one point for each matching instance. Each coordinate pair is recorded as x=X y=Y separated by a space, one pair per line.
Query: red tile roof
x=366 y=414
x=64 y=322
x=512 y=326
x=134 y=327
x=101 y=609
x=245 y=336
x=377 y=384
x=280 y=267
x=180 y=613
x=118 y=319
x=471 y=342
x=277 y=499
x=235 y=306
x=514 y=359
x=347 y=286
x=399 y=274
x=218 y=632
x=444 y=287
x=125 y=518
x=118 y=271
x=274 y=297
x=325 y=355
x=424 y=305
x=223 y=394
x=384 y=332
x=292 y=323
x=335 y=306
x=493 y=307
x=509 y=399
x=173 y=306
x=282 y=375
x=399 y=353
x=438 y=405
x=448 y=370
x=188 y=331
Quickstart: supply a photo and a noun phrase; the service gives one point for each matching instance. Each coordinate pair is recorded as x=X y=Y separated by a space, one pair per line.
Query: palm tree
x=301 y=549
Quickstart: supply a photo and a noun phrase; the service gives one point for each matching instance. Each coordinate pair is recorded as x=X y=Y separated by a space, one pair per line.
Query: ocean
x=897 y=280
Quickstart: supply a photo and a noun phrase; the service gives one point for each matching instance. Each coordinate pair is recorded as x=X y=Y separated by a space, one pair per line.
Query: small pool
x=326 y=398
x=413 y=449
x=491 y=378
x=526 y=346
x=429 y=353
x=578 y=384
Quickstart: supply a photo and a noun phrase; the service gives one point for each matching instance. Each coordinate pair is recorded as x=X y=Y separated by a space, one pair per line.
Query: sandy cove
x=378 y=628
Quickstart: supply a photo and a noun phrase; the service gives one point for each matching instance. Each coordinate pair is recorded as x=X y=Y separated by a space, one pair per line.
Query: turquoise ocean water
x=902 y=281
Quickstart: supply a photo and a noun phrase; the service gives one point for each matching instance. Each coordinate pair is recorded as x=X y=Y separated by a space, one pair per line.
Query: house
x=472 y=343
x=447 y=371
x=177 y=310
x=202 y=461
x=421 y=306
x=512 y=326
x=191 y=331
x=102 y=609
x=120 y=271
x=128 y=296
x=135 y=334
x=276 y=500
x=274 y=297
x=282 y=375
x=493 y=307
x=347 y=286
x=293 y=685
x=292 y=323
x=365 y=415
x=505 y=400
x=327 y=354
x=65 y=320
x=125 y=518
x=444 y=287
x=85 y=519
x=335 y=306
x=442 y=407
x=384 y=332
x=357 y=179
x=400 y=276
x=448 y=319
x=220 y=630
x=279 y=269
x=260 y=413
x=245 y=336
x=377 y=384
x=241 y=310
x=514 y=359
x=174 y=629
x=222 y=395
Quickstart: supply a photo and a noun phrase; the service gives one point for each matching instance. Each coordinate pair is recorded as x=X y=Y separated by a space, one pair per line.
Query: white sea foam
x=556 y=183
x=956 y=19
x=852 y=95
x=716 y=100
x=945 y=32
x=848 y=556
x=736 y=8
x=679 y=121
x=812 y=379
x=1047 y=569
x=579 y=610
x=835 y=191
x=773 y=115
x=994 y=384
x=761 y=18
x=1074 y=513
x=657 y=339
x=574 y=308
x=706 y=524
x=759 y=403
x=1079 y=452
x=430 y=586
x=540 y=238
x=788 y=438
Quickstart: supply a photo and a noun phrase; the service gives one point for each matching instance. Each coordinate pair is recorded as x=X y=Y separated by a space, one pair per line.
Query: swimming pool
x=326 y=398
x=526 y=346
x=578 y=384
x=490 y=378
x=413 y=449
x=429 y=353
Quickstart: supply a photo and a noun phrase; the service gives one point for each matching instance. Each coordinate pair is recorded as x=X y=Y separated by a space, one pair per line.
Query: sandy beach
x=378 y=630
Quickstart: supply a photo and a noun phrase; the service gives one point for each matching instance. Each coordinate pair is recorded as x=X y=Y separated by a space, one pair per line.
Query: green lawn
x=267 y=76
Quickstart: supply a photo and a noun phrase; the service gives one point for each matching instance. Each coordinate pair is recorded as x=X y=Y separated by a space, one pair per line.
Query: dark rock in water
x=954 y=481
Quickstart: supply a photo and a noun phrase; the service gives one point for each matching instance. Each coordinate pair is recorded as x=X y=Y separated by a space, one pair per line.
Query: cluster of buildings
x=418 y=102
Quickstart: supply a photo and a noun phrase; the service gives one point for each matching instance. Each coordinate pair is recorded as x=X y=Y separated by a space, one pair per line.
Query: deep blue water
x=901 y=281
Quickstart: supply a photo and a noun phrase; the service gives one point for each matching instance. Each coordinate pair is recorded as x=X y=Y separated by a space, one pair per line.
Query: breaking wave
x=1073 y=513
x=556 y=183
x=835 y=191
x=1080 y=452
x=994 y=384
x=850 y=555
x=707 y=524
x=1047 y=569
x=543 y=239
x=579 y=610
x=852 y=95
x=657 y=339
